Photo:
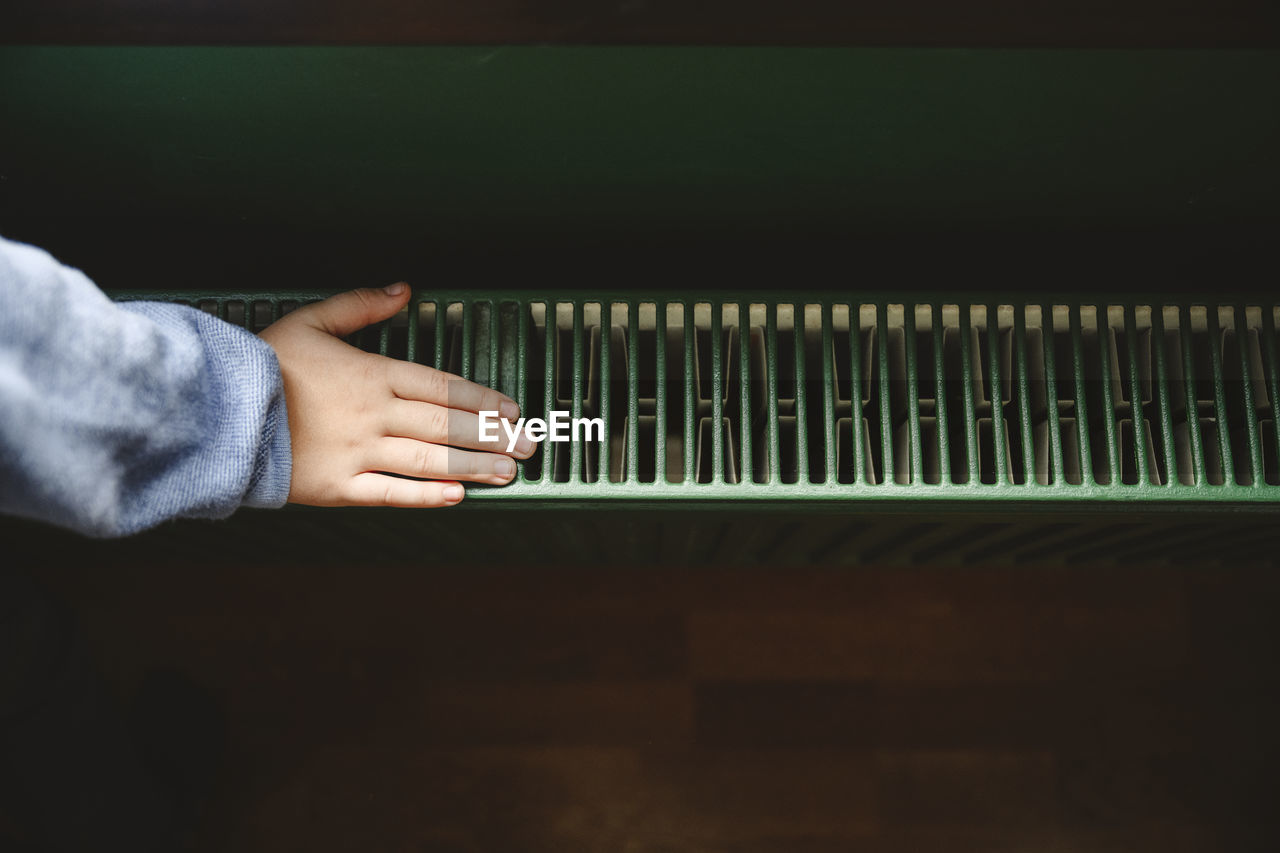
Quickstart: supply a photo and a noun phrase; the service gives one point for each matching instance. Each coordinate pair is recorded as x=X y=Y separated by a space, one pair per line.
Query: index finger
x=411 y=381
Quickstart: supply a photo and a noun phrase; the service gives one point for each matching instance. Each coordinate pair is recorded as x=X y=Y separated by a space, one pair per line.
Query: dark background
x=1132 y=146
x=708 y=167
x=429 y=703
x=931 y=23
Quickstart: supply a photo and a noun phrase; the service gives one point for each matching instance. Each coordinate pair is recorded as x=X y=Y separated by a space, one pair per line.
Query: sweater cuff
x=273 y=466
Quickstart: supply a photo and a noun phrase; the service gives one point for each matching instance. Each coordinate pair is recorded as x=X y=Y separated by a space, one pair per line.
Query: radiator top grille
x=824 y=398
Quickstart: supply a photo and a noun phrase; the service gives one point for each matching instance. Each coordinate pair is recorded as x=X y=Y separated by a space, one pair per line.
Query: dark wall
x=978 y=23
x=329 y=167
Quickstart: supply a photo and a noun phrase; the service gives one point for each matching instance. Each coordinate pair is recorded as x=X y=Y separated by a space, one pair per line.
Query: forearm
x=114 y=418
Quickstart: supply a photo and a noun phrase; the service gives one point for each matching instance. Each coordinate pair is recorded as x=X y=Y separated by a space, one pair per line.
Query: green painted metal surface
x=1051 y=447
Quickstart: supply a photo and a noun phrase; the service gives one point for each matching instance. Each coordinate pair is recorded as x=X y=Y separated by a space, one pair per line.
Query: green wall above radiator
x=254 y=153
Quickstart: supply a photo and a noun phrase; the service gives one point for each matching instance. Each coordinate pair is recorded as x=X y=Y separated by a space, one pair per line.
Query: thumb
x=350 y=312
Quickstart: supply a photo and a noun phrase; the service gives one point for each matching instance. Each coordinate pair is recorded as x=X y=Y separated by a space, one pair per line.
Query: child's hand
x=353 y=414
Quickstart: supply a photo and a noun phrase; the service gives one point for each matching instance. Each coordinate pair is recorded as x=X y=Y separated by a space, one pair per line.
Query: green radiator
x=826 y=397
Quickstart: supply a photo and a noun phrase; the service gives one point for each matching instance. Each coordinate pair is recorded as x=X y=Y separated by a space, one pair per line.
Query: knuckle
x=395 y=372
x=423 y=458
x=437 y=387
x=438 y=423
x=376 y=369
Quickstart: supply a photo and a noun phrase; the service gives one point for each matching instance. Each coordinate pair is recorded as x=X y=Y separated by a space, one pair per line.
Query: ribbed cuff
x=273 y=467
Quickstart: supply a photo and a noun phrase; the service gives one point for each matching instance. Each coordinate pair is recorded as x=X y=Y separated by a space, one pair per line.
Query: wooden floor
x=718 y=710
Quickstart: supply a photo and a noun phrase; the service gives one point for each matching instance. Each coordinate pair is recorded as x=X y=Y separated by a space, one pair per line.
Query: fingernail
x=505 y=468
x=524 y=445
x=509 y=410
x=395 y=289
x=453 y=494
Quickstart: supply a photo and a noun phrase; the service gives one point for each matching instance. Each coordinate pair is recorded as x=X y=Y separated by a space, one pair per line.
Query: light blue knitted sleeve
x=115 y=417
